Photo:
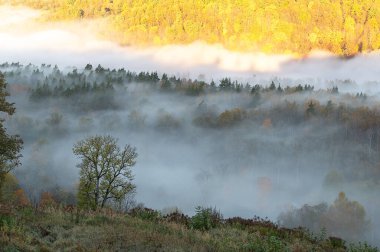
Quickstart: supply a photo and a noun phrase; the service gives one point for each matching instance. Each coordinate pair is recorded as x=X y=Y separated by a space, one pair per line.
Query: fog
x=24 y=39
x=251 y=168
x=244 y=170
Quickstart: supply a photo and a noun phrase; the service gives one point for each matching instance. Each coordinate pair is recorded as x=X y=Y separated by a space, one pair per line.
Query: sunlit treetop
x=343 y=27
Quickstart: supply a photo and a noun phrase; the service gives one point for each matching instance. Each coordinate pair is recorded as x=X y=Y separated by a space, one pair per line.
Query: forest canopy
x=297 y=27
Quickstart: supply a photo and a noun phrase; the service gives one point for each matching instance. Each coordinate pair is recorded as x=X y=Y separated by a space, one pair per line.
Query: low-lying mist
x=246 y=150
x=24 y=39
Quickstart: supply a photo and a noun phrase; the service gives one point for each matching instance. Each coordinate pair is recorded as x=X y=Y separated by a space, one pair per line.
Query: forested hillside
x=343 y=27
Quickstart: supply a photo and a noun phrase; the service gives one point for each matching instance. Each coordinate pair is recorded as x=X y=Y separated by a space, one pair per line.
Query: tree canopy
x=343 y=27
x=10 y=145
x=105 y=172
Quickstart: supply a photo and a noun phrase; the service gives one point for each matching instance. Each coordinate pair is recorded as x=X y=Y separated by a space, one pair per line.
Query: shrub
x=205 y=218
x=47 y=200
x=362 y=247
x=6 y=221
x=145 y=213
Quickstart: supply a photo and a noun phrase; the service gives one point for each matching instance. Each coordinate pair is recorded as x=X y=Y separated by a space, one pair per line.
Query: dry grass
x=54 y=229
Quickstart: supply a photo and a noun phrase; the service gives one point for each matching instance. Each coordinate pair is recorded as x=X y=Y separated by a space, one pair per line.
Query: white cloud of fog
x=11 y=15
x=193 y=55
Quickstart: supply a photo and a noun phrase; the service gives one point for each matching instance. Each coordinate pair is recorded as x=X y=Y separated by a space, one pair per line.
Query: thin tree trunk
x=97 y=193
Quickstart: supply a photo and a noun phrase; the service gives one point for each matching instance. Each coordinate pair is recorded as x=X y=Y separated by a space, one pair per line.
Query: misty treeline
x=342 y=218
x=274 y=105
x=278 y=144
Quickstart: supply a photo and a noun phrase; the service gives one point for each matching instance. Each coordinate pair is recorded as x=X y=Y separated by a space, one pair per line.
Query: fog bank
x=23 y=39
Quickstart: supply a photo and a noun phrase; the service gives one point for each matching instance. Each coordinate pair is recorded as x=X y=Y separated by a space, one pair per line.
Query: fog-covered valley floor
x=245 y=151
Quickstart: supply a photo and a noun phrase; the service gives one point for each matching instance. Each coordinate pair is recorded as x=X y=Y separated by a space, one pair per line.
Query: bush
x=205 y=218
x=7 y=221
x=145 y=213
x=362 y=247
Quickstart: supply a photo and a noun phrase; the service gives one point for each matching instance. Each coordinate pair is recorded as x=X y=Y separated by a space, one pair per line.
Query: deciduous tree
x=10 y=145
x=105 y=172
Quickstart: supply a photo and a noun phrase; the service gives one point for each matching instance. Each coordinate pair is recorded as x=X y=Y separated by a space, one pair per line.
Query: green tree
x=206 y=218
x=165 y=83
x=105 y=172
x=88 y=67
x=310 y=111
x=272 y=86
x=10 y=145
x=225 y=84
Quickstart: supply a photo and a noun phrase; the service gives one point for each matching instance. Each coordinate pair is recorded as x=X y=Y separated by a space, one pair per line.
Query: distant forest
x=343 y=27
x=290 y=104
x=274 y=105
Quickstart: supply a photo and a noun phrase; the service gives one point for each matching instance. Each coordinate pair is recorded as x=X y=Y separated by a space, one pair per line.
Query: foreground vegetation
x=341 y=27
x=67 y=229
x=52 y=224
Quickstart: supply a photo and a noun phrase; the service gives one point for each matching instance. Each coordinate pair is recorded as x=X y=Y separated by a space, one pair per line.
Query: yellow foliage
x=343 y=27
x=313 y=37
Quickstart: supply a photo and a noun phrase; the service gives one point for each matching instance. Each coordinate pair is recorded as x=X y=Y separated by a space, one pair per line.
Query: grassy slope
x=57 y=230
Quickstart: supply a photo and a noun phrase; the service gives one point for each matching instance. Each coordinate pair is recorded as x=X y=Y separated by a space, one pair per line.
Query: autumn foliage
x=340 y=26
x=47 y=200
x=20 y=198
